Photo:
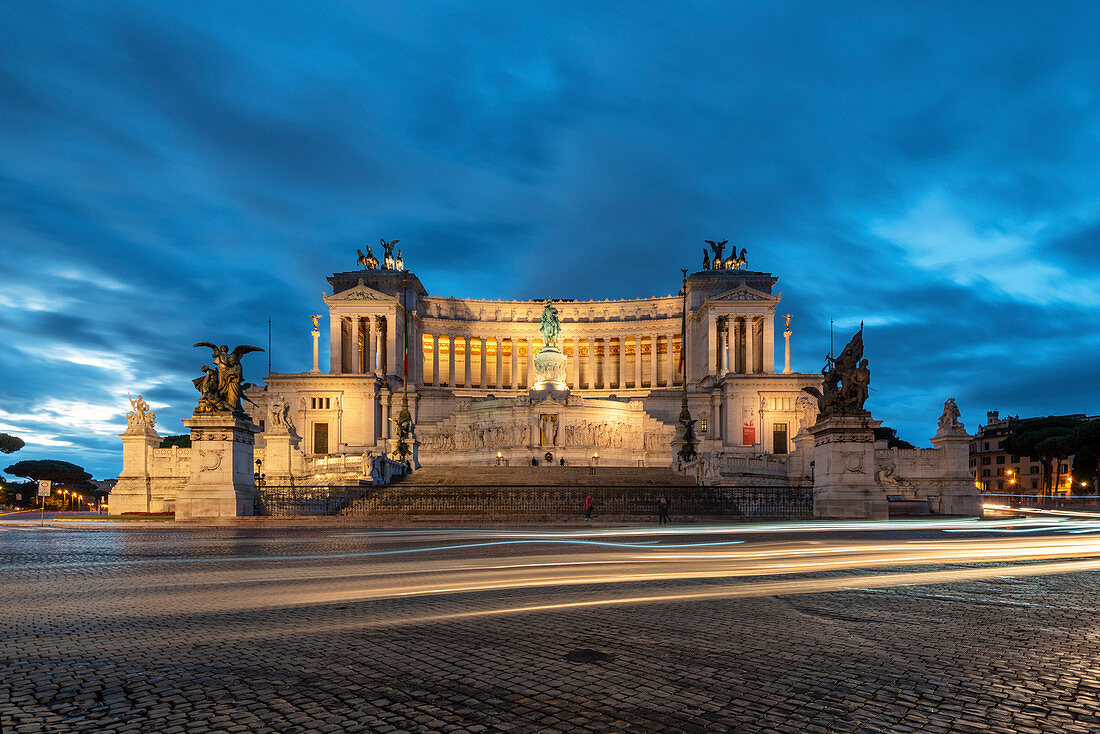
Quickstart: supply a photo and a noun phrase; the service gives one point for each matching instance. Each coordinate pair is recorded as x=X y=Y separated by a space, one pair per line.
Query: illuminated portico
x=624 y=360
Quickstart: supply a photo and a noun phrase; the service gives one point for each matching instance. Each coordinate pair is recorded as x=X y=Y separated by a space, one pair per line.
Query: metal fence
x=299 y=501
x=530 y=503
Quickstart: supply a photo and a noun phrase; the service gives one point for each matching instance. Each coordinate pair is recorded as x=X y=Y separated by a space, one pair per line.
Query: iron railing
x=533 y=503
x=304 y=501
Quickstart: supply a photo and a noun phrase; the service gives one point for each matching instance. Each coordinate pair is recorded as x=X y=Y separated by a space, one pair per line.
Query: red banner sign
x=748 y=426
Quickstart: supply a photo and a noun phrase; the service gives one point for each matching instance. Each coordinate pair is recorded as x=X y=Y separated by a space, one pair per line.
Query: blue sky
x=178 y=172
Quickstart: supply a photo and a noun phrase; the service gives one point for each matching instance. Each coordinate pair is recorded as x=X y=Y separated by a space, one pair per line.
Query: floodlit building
x=472 y=385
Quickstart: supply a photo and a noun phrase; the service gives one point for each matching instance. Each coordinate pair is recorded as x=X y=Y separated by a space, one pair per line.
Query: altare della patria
x=681 y=390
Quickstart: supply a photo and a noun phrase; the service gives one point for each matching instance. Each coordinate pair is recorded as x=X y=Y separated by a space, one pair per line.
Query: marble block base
x=844 y=469
x=222 y=480
x=549 y=370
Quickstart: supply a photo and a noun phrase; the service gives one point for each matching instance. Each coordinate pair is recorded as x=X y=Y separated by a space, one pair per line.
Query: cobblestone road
x=222 y=630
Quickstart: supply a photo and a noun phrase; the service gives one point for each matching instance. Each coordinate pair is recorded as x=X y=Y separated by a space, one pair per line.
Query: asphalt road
x=863 y=627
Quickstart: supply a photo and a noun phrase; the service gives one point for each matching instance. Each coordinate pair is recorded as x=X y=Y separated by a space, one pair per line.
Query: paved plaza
x=742 y=629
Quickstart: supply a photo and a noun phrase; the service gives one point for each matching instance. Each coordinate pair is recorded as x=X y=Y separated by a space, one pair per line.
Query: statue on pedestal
x=949 y=420
x=550 y=326
x=706 y=259
x=140 y=416
x=845 y=381
x=220 y=387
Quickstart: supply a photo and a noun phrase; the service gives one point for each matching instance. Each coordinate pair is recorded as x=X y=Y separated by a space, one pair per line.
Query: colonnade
x=743 y=343
x=362 y=345
x=592 y=363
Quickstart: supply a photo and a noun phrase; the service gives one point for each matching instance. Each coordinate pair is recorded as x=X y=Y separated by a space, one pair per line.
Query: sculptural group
x=718 y=262
x=221 y=387
x=140 y=415
x=389 y=260
x=845 y=381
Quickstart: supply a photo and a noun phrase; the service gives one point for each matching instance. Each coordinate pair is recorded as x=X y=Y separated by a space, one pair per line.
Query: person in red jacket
x=588 y=505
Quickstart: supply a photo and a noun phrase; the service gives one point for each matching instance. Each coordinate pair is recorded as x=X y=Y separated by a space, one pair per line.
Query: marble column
x=621 y=383
x=451 y=360
x=750 y=345
x=512 y=381
x=386 y=399
x=731 y=343
x=607 y=363
x=356 y=341
x=484 y=354
x=576 y=364
x=787 y=351
x=653 y=361
x=435 y=359
x=334 y=340
x=530 y=364
x=768 y=324
x=591 y=384
x=316 y=334
x=723 y=352
x=392 y=360
x=466 y=362
x=670 y=367
x=379 y=346
x=637 y=362
x=368 y=345
x=500 y=362
x=711 y=364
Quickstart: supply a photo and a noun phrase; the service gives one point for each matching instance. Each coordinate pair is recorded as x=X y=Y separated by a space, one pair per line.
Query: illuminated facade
x=470 y=374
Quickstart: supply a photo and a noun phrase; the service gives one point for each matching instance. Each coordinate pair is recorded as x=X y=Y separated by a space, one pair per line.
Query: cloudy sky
x=172 y=174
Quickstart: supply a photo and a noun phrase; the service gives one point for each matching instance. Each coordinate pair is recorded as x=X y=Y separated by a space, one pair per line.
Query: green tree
x=1048 y=440
x=10 y=444
x=890 y=436
x=54 y=470
x=183 y=441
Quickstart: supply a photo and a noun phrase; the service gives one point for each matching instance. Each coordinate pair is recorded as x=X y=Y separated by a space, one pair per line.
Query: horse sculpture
x=735 y=261
x=368 y=261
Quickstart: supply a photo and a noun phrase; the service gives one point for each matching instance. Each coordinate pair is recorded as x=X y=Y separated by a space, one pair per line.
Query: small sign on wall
x=748 y=426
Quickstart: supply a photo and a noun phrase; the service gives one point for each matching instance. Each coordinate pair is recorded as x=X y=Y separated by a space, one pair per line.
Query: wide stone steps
x=544 y=476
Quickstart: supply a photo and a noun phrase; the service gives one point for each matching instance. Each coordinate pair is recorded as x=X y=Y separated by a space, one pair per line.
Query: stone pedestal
x=133 y=491
x=222 y=483
x=844 y=469
x=279 y=455
x=959 y=496
x=549 y=370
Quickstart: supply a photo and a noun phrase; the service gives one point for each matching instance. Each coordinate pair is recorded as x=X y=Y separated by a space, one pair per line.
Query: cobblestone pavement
x=333 y=630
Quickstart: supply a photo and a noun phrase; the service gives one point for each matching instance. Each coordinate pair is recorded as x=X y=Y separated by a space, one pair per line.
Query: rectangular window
x=1034 y=483
x=703 y=425
x=1033 y=470
x=1001 y=459
x=320 y=438
x=779 y=438
x=987 y=445
x=985 y=460
x=1063 y=468
x=1000 y=445
x=985 y=472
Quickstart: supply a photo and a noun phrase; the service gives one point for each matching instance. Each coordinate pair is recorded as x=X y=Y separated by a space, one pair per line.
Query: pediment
x=359 y=292
x=742 y=292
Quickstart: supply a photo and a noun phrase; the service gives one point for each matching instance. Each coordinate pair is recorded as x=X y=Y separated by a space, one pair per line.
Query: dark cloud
x=177 y=173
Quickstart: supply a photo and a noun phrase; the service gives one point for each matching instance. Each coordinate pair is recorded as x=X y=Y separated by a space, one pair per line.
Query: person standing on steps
x=588 y=505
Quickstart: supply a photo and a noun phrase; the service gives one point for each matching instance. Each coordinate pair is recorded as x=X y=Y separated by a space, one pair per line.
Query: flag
x=405 y=357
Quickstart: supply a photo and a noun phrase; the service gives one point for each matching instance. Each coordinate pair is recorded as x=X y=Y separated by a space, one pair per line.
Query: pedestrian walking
x=588 y=505
x=662 y=510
